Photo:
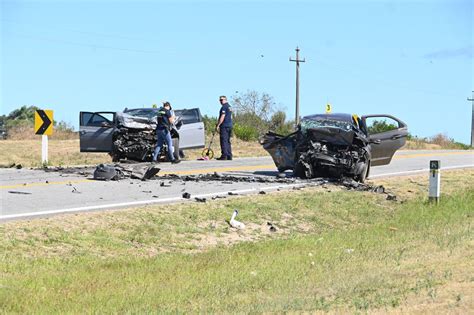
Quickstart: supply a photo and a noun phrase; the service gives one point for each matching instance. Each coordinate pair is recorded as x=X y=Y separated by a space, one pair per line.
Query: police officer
x=224 y=127
x=165 y=120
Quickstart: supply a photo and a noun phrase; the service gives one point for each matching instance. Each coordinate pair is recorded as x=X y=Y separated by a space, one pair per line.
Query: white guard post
x=435 y=181
x=44 y=149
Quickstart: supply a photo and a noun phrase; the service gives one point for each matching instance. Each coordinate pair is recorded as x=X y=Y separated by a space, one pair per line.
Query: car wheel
x=363 y=174
x=176 y=148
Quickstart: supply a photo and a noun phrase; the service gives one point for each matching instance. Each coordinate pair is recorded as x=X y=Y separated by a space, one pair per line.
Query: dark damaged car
x=337 y=145
x=130 y=135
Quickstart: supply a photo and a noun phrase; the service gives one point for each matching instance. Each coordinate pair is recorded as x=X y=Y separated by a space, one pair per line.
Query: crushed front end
x=322 y=147
x=135 y=138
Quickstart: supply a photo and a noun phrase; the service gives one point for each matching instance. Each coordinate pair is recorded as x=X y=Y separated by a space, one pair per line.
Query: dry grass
x=28 y=133
x=61 y=153
x=417 y=144
x=66 y=152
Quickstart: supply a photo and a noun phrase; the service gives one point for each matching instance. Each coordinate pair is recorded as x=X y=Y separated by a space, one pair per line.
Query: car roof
x=335 y=116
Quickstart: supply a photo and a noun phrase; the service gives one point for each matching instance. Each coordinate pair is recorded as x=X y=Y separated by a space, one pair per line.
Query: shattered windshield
x=323 y=123
x=141 y=112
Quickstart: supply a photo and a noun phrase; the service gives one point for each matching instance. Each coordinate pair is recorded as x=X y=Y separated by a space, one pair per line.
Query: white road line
x=175 y=199
x=419 y=171
x=144 y=202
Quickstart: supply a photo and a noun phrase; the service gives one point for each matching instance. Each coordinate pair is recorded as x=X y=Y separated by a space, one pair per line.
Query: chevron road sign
x=44 y=127
x=44 y=122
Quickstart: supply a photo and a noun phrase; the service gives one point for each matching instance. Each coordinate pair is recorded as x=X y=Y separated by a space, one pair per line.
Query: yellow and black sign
x=44 y=122
x=328 y=108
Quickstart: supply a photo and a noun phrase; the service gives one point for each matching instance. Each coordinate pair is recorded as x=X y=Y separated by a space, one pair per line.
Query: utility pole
x=472 y=119
x=297 y=60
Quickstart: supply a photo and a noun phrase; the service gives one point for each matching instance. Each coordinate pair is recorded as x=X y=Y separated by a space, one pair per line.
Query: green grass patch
x=334 y=251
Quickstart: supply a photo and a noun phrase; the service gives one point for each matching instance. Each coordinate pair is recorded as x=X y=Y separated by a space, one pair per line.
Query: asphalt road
x=29 y=193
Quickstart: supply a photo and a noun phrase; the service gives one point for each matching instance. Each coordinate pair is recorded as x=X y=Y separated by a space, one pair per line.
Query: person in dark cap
x=163 y=132
x=224 y=127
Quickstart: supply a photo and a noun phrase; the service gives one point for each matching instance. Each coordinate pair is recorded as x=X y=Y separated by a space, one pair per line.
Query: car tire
x=363 y=175
x=176 y=148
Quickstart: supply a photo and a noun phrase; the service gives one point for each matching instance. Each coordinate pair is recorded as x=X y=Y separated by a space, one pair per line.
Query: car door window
x=97 y=120
x=376 y=125
x=189 y=116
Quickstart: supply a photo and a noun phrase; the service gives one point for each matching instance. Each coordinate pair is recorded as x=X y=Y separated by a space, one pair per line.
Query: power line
x=60 y=41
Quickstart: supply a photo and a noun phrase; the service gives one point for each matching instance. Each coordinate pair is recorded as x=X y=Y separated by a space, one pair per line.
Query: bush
x=209 y=124
x=245 y=133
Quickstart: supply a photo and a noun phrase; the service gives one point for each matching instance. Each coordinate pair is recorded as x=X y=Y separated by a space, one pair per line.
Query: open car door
x=191 y=133
x=386 y=135
x=96 y=130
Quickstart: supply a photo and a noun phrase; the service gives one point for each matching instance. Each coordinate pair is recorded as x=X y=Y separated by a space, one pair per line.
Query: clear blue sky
x=412 y=59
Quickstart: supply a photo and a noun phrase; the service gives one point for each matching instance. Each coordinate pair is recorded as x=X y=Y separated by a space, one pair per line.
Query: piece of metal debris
x=271 y=227
x=230 y=193
x=186 y=195
x=19 y=192
x=74 y=190
x=218 y=197
x=391 y=197
x=262 y=192
x=200 y=199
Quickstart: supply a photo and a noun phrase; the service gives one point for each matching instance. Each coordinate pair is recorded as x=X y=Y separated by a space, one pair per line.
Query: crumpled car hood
x=135 y=122
x=135 y=137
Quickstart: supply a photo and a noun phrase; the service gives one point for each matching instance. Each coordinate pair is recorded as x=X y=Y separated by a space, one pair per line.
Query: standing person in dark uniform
x=163 y=127
x=224 y=127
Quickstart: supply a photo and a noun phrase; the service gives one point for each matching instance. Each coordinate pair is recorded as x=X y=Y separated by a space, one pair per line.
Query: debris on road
x=11 y=165
x=218 y=197
x=186 y=195
x=230 y=193
x=200 y=199
x=19 y=192
x=234 y=223
x=142 y=171
x=107 y=172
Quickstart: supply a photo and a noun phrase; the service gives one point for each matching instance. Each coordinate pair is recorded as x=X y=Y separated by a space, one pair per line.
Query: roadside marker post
x=44 y=127
x=435 y=181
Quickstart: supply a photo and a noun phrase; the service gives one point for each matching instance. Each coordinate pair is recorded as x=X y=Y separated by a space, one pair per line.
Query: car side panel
x=191 y=133
x=191 y=136
x=94 y=138
x=384 y=144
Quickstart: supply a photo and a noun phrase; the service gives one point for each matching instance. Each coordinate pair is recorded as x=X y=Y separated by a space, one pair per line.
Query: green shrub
x=245 y=133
